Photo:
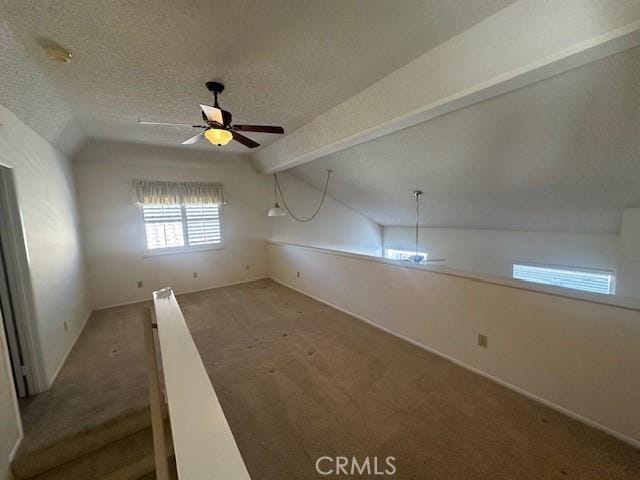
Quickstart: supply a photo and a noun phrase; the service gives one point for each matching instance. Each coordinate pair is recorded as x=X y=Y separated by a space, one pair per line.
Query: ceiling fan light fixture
x=218 y=136
x=276 y=211
x=57 y=52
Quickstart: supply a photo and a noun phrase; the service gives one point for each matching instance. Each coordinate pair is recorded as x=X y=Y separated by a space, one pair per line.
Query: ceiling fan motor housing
x=215 y=87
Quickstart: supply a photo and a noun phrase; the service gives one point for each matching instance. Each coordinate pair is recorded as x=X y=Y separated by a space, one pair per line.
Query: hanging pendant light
x=417 y=258
x=276 y=211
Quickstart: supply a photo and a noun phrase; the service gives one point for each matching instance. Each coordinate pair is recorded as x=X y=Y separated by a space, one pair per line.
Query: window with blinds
x=180 y=227
x=597 y=281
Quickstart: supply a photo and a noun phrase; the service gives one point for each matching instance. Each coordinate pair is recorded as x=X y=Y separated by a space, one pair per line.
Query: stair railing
x=156 y=403
x=203 y=444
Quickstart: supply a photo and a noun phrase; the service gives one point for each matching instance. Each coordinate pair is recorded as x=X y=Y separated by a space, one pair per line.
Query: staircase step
x=131 y=455
x=31 y=463
x=173 y=474
x=129 y=458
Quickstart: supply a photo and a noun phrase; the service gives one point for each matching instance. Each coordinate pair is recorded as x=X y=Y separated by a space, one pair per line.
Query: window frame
x=186 y=248
x=602 y=271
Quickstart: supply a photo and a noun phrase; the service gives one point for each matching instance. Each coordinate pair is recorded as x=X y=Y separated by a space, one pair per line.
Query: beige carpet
x=103 y=378
x=299 y=380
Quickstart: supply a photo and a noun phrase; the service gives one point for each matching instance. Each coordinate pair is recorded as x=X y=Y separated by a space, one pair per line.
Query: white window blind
x=163 y=226
x=179 y=227
x=597 y=281
x=395 y=254
x=203 y=224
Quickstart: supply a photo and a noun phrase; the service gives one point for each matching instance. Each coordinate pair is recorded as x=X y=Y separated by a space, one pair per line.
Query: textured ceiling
x=559 y=155
x=284 y=62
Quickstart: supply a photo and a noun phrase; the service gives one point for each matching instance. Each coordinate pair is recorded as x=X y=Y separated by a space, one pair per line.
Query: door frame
x=19 y=279
x=14 y=347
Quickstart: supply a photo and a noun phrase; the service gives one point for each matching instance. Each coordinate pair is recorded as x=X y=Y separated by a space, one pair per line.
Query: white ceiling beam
x=524 y=43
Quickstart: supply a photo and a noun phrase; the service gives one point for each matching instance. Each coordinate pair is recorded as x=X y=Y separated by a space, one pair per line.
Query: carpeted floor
x=299 y=380
x=103 y=378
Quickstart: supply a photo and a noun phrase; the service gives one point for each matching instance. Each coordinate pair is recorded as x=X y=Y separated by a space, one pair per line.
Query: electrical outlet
x=195 y=274
x=65 y=326
x=483 y=341
x=298 y=274
x=140 y=284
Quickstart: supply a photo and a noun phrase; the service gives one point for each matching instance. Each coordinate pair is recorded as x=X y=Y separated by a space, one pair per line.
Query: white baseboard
x=592 y=423
x=66 y=355
x=8 y=473
x=15 y=448
x=123 y=304
x=150 y=299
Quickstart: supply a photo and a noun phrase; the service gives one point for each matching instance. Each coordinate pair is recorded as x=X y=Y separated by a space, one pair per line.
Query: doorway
x=16 y=297
x=7 y=310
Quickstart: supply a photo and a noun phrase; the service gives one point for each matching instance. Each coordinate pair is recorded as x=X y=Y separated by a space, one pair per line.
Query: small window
x=394 y=254
x=174 y=227
x=597 y=281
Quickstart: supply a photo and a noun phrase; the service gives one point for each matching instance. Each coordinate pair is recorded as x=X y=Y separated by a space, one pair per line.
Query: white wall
x=494 y=251
x=11 y=430
x=336 y=227
x=47 y=201
x=113 y=232
x=629 y=260
x=578 y=355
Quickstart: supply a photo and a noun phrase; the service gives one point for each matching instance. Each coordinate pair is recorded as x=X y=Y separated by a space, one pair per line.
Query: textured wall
x=113 y=231
x=336 y=227
x=578 y=355
x=47 y=201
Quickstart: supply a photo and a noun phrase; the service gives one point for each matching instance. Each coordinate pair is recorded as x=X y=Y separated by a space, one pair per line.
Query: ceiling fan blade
x=193 y=139
x=247 y=142
x=213 y=114
x=259 y=128
x=144 y=122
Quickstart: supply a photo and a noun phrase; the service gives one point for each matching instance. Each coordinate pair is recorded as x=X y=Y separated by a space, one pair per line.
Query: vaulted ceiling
x=557 y=155
x=283 y=62
x=562 y=154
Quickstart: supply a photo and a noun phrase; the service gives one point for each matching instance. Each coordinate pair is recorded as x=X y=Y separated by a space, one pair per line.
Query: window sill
x=162 y=252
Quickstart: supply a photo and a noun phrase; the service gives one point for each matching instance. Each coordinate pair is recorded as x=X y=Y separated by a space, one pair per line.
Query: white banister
x=160 y=450
x=203 y=443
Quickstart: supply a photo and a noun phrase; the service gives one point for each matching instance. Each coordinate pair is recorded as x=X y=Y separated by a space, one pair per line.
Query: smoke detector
x=57 y=53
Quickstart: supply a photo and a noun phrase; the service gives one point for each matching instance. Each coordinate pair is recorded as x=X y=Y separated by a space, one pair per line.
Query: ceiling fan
x=218 y=128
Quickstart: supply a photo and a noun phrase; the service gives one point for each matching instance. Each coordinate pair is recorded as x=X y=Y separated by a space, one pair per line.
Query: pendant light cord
x=275 y=192
x=417 y=219
x=417 y=194
x=284 y=202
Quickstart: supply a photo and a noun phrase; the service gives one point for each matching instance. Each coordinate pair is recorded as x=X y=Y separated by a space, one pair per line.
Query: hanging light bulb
x=276 y=211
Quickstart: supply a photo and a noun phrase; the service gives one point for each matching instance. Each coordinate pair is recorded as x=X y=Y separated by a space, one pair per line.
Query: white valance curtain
x=158 y=191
